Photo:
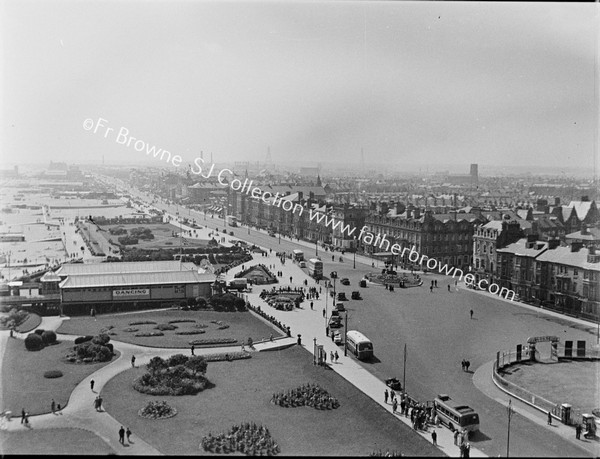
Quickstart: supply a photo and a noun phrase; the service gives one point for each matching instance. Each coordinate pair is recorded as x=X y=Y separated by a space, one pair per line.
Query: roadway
x=438 y=333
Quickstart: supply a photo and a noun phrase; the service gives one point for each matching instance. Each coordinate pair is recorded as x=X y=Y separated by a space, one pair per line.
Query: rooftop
x=136 y=279
x=77 y=269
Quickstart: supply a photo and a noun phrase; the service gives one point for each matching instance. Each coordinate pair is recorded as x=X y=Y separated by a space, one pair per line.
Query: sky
x=408 y=83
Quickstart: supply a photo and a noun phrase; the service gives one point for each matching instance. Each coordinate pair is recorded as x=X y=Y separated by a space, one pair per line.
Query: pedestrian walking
x=468 y=450
x=92 y=382
x=331 y=357
x=323 y=312
x=311 y=305
x=471 y=313
x=53 y=406
x=434 y=437
x=431 y=289
x=26 y=417
x=133 y=361
x=192 y=349
x=385 y=396
x=122 y=435
x=456 y=437
x=23 y=415
x=394 y=406
x=337 y=356
x=11 y=333
x=448 y=287
x=578 y=431
x=436 y=283
x=549 y=418
x=128 y=433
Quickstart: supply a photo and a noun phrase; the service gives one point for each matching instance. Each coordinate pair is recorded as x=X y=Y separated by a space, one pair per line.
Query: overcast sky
x=425 y=82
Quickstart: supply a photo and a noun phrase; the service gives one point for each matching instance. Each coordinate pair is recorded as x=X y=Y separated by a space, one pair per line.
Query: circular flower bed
x=176 y=321
x=157 y=410
x=131 y=329
x=178 y=375
x=247 y=438
x=190 y=332
x=306 y=395
x=201 y=326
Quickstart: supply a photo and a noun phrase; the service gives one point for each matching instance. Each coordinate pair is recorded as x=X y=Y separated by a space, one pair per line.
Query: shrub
x=190 y=332
x=49 y=337
x=165 y=327
x=53 y=374
x=238 y=355
x=110 y=347
x=177 y=359
x=101 y=339
x=176 y=321
x=83 y=339
x=34 y=342
x=143 y=322
x=39 y=331
x=14 y=318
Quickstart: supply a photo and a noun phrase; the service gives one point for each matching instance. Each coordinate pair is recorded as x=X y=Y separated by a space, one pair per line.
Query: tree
x=197 y=364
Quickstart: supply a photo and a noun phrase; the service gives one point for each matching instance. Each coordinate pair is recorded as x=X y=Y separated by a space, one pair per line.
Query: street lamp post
x=316 y=247
x=354 y=253
x=345 y=333
x=314 y=351
x=510 y=412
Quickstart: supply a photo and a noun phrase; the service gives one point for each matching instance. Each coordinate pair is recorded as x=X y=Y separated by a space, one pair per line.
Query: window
x=575 y=271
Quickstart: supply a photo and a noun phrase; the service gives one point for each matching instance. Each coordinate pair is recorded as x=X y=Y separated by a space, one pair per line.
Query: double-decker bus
x=231 y=220
x=298 y=255
x=359 y=345
x=456 y=415
x=315 y=268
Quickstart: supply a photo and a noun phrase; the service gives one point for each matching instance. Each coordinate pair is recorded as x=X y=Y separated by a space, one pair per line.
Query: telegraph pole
x=404 y=377
x=346 y=330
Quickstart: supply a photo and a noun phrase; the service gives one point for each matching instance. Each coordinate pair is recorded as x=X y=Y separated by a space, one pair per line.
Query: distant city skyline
x=415 y=85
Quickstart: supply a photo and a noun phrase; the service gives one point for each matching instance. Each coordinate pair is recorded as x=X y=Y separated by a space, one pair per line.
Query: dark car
x=345 y=281
x=356 y=295
x=340 y=306
x=393 y=383
x=341 y=296
x=363 y=283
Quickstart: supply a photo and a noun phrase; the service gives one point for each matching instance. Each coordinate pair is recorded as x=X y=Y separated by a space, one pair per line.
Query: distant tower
x=474 y=173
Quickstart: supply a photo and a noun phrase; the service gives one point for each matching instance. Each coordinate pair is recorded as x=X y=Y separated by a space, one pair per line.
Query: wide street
x=438 y=333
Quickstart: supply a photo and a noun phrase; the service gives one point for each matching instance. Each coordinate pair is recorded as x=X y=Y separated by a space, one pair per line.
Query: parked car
x=363 y=283
x=302 y=264
x=345 y=281
x=337 y=338
x=341 y=296
x=356 y=295
x=340 y=306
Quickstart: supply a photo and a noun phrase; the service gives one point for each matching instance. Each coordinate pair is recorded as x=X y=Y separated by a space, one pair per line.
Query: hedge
x=200 y=342
x=49 y=337
x=83 y=339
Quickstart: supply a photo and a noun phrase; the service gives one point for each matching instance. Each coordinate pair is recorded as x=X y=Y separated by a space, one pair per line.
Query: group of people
x=465 y=364
x=122 y=433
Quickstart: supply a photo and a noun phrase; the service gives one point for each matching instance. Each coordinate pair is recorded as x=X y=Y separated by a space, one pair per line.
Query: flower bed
x=165 y=327
x=51 y=374
x=143 y=322
x=201 y=326
x=190 y=332
x=200 y=342
x=229 y=356
x=131 y=329
x=146 y=334
x=157 y=410
x=221 y=325
x=178 y=375
x=247 y=438
x=306 y=395
x=176 y=321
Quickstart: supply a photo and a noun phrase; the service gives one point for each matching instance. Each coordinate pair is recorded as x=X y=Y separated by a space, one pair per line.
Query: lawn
x=165 y=236
x=242 y=392
x=241 y=326
x=32 y=322
x=23 y=382
x=53 y=442
x=549 y=381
